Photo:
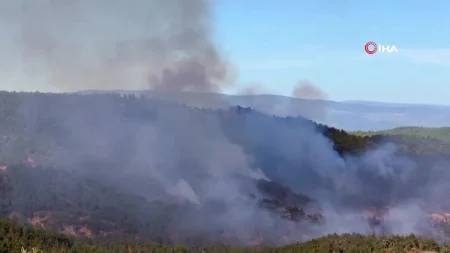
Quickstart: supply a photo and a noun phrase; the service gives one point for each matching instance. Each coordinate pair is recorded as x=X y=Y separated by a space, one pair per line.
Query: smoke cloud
x=316 y=109
x=305 y=89
x=89 y=45
x=157 y=150
x=354 y=191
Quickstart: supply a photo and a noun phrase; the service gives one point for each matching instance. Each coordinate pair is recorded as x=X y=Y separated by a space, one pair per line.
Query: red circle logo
x=369 y=45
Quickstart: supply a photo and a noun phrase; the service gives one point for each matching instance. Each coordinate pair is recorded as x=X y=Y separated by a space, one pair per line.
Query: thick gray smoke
x=393 y=190
x=101 y=44
x=157 y=150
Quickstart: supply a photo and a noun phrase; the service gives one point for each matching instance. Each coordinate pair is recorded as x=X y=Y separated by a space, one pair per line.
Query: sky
x=277 y=43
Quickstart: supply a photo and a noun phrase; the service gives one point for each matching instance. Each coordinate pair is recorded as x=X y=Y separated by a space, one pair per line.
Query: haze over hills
x=107 y=166
x=348 y=115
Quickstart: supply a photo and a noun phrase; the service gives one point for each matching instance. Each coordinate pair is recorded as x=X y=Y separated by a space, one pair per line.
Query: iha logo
x=372 y=48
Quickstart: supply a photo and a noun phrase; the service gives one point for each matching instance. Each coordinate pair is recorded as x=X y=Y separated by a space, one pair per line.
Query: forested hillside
x=14 y=238
x=110 y=167
x=439 y=133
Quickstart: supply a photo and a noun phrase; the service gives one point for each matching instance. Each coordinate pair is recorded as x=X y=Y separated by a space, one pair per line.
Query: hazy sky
x=278 y=42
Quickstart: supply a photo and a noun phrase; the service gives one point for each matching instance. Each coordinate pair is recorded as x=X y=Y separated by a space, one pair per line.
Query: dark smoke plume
x=113 y=44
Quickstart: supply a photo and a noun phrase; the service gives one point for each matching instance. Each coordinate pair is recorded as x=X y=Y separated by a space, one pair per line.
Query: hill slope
x=108 y=166
x=14 y=238
x=439 y=133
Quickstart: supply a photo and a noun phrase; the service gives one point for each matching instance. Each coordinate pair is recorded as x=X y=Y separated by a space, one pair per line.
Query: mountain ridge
x=348 y=115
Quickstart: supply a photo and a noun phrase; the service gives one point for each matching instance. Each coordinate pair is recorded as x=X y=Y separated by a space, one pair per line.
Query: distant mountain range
x=348 y=115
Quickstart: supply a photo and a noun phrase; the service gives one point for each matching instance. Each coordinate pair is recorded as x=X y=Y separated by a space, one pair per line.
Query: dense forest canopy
x=111 y=166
